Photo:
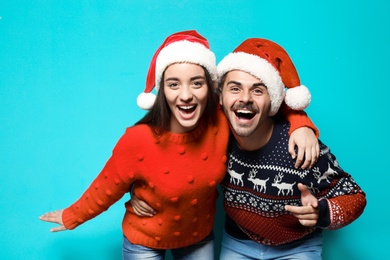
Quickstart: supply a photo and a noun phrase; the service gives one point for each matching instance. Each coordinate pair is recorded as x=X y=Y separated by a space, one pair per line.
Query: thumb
x=307 y=198
x=59 y=228
x=304 y=189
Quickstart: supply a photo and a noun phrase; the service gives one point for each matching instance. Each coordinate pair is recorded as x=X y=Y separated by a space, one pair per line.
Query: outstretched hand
x=308 y=213
x=54 y=217
x=308 y=147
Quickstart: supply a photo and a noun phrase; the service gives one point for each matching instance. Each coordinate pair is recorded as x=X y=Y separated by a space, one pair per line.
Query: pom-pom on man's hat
x=186 y=46
x=270 y=63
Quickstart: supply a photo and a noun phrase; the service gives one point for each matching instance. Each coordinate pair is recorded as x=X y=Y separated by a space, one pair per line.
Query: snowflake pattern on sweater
x=258 y=185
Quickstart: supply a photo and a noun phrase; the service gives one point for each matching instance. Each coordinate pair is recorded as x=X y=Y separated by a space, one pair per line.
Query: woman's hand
x=308 y=147
x=54 y=217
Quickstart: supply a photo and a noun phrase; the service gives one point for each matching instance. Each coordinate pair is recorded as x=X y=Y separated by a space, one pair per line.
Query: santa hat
x=269 y=62
x=186 y=46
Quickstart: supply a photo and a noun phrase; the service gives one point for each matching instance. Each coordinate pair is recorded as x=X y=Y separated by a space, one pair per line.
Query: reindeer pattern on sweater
x=258 y=185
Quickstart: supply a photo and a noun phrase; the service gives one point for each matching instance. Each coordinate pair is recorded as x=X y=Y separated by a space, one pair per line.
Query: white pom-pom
x=146 y=100
x=298 y=98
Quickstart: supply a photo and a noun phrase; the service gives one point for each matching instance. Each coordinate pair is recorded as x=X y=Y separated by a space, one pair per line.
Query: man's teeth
x=244 y=111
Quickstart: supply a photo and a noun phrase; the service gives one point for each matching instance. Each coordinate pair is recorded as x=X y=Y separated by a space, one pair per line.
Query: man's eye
x=258 y=91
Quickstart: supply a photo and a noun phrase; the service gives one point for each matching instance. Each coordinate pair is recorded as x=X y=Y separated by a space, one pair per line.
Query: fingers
x=57 y=229
x=291 y=150
x=308 y=223
x=304 y=189
x=310 y=157
x=308 y=147
x=141 y=208
x=142 y=212
x=312 y=153
x=300 y=158
x=306 y=197
x=316 y=153
x=54 y=217
x=145 y=207
x=307 y=220
x=307 y=158
x=300 y=210
x=307 y=215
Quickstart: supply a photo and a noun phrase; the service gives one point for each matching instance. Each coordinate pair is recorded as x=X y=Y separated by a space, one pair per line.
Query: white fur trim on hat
x=298 y=98
x=259 y=68
x=146 y=100
x=185 y=51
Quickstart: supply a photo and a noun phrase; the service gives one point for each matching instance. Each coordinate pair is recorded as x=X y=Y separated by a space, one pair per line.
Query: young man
x=274 y=210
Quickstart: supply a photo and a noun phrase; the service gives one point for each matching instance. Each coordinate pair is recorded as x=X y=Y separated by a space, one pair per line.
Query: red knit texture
x=177 y=174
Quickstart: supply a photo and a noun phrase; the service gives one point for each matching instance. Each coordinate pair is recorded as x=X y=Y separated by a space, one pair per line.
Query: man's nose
x=246 y=96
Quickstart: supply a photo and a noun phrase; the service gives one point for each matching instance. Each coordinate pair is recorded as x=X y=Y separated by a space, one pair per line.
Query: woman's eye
x=198 y=83
x=172 y=85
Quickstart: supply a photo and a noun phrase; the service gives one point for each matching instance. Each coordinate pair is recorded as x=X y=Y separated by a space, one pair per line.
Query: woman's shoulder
x=135 y=135
x=138 y=128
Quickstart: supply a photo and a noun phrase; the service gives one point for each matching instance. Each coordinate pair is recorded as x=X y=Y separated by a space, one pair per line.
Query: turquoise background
x=70 y=72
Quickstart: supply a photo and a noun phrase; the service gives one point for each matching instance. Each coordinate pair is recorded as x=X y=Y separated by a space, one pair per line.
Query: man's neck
x=258 y=139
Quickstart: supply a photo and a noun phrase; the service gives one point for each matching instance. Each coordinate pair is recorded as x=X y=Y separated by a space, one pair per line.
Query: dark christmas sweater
x=258 y=185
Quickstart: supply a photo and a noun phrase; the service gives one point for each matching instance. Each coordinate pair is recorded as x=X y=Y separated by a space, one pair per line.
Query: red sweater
x=177 y=174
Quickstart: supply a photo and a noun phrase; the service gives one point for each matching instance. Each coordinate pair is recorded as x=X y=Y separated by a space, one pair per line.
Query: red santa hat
x=269 y=62
x=186 y=46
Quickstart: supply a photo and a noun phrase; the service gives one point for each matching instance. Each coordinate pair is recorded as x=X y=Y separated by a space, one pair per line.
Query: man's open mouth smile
x=244 y=114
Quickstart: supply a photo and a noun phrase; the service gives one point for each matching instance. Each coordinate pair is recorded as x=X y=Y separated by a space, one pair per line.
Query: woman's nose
x=186 y=93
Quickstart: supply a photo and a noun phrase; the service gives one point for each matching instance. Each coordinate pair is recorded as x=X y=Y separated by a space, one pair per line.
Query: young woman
x=173 y=158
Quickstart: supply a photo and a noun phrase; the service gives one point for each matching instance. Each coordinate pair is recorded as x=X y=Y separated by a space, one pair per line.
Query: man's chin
x=242 y=131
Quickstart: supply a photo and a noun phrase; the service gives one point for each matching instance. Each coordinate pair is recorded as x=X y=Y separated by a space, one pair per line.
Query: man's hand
x=141 y=208
x=308 y=213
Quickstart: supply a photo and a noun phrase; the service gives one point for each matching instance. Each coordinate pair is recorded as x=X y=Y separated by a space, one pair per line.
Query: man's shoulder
x=281 y=124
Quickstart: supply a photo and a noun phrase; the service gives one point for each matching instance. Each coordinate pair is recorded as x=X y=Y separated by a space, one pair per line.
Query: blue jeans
x=202 y=250
x=307 y=248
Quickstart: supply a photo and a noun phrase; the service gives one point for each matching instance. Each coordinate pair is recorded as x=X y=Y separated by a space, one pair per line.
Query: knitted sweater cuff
x=324 y=215
x=68 y=219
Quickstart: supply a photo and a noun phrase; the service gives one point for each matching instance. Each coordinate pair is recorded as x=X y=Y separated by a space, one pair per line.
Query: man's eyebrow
x=259 y=85
x=234 y=82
